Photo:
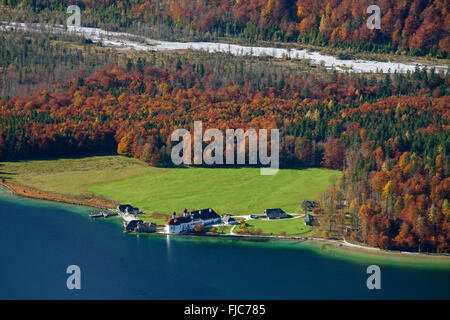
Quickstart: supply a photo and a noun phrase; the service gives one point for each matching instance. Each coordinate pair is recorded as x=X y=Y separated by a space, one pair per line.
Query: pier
x=103 y=214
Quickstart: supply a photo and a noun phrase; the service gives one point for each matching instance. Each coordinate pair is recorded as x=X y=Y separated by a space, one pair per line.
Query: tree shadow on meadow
x=5 y=176
x=290 y=166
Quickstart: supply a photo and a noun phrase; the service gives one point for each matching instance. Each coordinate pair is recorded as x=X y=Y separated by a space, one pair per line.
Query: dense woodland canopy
x=29 y=62
x=416 y=27
x=390 y=135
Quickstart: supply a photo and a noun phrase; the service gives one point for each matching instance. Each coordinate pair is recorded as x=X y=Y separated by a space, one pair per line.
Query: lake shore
x=342 y=244
x=108 y=204
x=57 y=234
x=42 y=195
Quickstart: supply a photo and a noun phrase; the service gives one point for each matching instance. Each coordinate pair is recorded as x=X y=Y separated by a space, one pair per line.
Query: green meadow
x=291 y=227
x=160 y=191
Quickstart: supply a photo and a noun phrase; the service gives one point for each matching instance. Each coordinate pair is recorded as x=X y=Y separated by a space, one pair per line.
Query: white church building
x=187 y=222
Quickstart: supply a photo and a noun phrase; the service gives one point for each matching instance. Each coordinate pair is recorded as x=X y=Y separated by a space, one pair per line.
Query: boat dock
x=103 y=214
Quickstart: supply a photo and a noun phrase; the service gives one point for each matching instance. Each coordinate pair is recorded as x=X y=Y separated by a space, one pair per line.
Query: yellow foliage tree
x=124 y=146
x=387 y=190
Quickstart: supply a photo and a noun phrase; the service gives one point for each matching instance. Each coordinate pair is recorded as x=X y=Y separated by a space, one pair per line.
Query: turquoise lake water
x=39 y=239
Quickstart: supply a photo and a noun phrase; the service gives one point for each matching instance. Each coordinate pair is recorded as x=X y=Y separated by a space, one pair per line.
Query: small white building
x=229 y=220
x=187 y=222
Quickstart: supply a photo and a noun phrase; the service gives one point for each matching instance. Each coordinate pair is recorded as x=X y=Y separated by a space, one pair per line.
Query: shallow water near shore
x=39 y=239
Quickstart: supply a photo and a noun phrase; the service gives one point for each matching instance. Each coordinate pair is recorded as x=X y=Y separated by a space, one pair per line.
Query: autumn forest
x=388 y=133
x=412 y=27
